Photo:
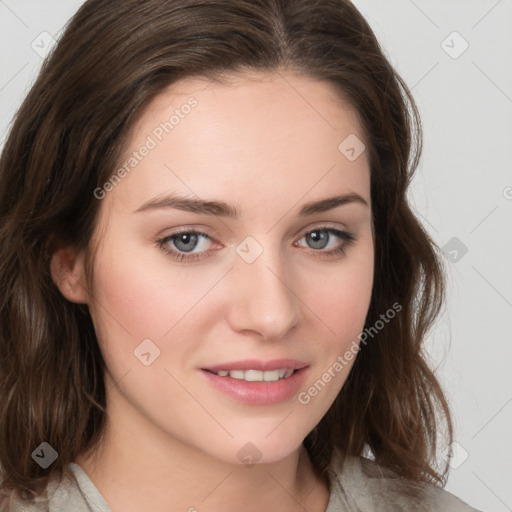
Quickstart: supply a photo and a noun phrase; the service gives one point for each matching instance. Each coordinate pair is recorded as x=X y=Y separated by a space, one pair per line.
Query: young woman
x=214 y=292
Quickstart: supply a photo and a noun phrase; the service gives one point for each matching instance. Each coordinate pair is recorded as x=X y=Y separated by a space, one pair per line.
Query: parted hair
x=66 y=140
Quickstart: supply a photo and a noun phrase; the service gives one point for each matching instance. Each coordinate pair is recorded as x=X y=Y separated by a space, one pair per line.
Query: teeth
x=257 y=375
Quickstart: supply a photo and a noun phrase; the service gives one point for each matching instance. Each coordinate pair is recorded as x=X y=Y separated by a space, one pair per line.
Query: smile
x=256 y=375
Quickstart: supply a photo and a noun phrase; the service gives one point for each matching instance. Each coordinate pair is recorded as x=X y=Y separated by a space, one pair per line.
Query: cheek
x=341 y=297
x=131 y=304
x=145 y=299
x=128 y=297
x=156 y=300
x=341 y=305
x=134 y=301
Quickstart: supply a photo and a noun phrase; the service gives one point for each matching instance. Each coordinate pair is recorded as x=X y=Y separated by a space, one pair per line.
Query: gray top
x=361 y=486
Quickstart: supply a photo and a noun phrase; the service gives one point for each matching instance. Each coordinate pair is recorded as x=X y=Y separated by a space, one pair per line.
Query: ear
x=67 y=268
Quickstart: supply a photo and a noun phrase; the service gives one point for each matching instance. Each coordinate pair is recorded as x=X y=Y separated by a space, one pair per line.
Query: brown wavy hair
x=66 y=140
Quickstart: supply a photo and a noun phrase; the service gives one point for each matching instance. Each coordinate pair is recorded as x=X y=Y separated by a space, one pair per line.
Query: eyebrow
x=221 y=209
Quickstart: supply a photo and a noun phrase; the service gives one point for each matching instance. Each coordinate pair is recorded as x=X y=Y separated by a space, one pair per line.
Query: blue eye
x=191 y=245
x=322 y=238
x=186 y=242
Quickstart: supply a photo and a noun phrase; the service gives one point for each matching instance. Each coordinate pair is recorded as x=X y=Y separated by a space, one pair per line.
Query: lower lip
x=259 y=393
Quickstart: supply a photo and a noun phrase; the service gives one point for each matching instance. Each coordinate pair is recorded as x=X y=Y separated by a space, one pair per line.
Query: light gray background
x=463 y=189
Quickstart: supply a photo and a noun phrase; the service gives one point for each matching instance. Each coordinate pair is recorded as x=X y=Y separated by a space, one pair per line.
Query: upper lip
x=255 y=364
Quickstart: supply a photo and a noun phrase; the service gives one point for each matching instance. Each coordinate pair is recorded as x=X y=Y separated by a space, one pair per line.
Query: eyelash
x=347 y=236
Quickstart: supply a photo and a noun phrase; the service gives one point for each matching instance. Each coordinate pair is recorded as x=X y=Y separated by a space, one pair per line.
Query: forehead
x=266 y=133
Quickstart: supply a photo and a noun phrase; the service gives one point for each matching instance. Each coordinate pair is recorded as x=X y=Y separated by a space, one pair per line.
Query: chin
x=261 y=448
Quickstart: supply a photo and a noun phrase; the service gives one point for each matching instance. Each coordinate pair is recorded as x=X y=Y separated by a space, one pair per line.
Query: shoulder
x=75 y=492
x=362 y=484
x=12 y=503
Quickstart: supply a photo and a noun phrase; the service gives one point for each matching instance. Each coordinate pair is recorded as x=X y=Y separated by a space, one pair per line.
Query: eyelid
x=205 y=231
x=345 y=235
x=348 y=237
x=192 y=228
x=321 y=225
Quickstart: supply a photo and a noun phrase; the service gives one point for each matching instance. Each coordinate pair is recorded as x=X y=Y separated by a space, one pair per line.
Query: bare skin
x=266 y=148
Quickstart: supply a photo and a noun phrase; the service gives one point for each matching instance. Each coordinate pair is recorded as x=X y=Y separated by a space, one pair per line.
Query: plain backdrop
x=456 y=56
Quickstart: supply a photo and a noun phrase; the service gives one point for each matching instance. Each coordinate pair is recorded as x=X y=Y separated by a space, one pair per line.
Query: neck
x=134 y=455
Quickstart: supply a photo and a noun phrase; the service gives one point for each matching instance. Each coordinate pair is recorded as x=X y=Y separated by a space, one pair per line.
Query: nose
x=262 y=297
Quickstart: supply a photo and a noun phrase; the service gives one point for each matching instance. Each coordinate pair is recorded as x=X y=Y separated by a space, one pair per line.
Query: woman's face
x=222 y=246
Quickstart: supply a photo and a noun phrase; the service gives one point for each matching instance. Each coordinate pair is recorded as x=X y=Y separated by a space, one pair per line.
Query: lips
x=258 y=392
x=254 y=364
